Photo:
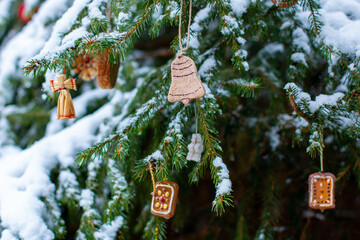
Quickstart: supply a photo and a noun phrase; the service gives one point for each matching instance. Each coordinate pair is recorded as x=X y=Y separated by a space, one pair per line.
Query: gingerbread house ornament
x=322 y=191
x=65 y=104
x=164 y=199
x=185 y=83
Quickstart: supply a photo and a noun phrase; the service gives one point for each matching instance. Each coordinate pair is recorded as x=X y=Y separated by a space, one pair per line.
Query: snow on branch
x=28 y=41
x=27 y=179
x=224 y=185
x=304 y=102
x=108 y=231
x=330 y=111
x=53 y=46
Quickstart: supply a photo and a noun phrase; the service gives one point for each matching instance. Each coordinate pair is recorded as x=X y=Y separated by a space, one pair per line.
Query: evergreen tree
x=282 y=82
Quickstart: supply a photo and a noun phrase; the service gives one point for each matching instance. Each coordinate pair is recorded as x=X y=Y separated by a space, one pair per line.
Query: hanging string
x=321 y=161
x=108 y=15
x=64 y=68
x=196 y=120
x=183 y=50
x=322 y=154
x=152 y=176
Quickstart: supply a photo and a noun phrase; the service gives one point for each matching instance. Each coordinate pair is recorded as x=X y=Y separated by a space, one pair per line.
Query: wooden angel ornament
x=65 y=104
x=185 y=83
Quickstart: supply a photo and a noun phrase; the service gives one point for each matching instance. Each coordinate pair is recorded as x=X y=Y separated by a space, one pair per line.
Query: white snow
x=28 y=42
x=231 y=25
x=7 y=235
x=175 y=8
x=239 y=6
x=68 y=185
x=242 y=82
x=321 y=100
x=342 y=25
x=154 y=156
x=24 y=175
x=197 y=26
x=205 y=68
x=299 y=57
x=274 y=137
x=87 y=199
x=301 y=40
x=224 y=185
x=109 y=231
x=341 y=29
x=63 y=25
x=29 y=4
x=94 y=11
x=5 y=6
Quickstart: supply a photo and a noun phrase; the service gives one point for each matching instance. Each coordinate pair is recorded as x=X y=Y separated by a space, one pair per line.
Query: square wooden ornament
x=164 y=199
x=322 y=190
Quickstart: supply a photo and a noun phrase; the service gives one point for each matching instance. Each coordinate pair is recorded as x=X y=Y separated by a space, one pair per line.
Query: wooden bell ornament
x=66 y=108
x=185 y=83
x=106 y=72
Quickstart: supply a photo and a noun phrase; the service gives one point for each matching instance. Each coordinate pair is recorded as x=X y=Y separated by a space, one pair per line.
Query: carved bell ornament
x=185 y=83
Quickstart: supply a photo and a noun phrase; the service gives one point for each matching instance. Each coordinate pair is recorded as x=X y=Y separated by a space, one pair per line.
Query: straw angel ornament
x=65 y=104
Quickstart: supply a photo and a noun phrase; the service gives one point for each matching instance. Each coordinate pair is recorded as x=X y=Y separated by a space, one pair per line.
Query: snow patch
x=239 y=6
x=224 y=186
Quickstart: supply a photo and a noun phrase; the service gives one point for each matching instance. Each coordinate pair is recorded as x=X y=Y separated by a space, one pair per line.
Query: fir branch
x=155 y=229
x=134 y=123
x=55 y=213
x=297 y=109
x=96 y=45
x=169 y=17
x=270 y=211
x=121 y=191
x=68 y=191
x=242 y=87
x=343 y=173
x=316 y=141
x=219 y=172
x=242 y=231
x=211 y=144
x=90 y=219
x=91 y=44
x=232 y=29
x=315 y=23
